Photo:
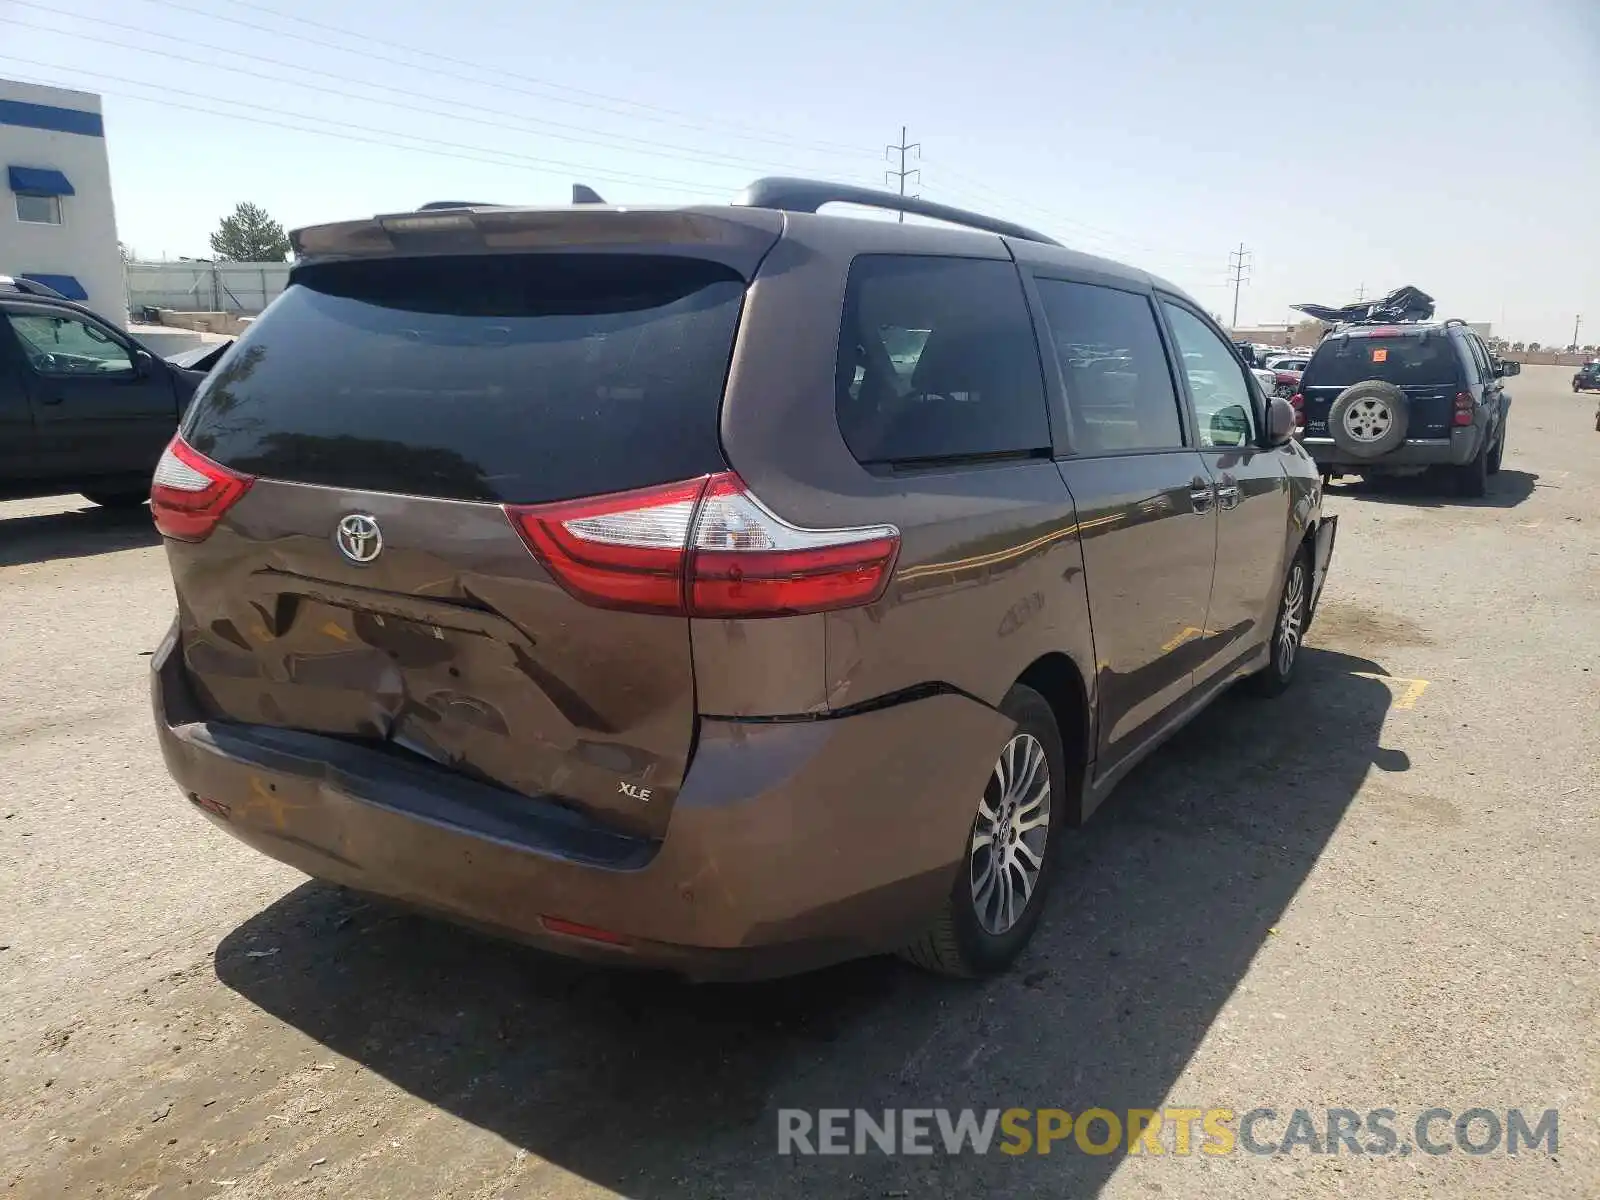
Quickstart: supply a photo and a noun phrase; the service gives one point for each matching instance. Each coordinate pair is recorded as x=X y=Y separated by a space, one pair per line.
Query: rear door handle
x=1228 y=495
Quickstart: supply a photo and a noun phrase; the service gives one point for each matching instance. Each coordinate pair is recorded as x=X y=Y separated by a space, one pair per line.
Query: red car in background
x=1288 y=368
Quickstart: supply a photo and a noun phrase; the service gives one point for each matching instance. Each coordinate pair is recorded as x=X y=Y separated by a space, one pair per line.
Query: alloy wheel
x=1291 y=621
x=1368 y=419
x=1009 y=835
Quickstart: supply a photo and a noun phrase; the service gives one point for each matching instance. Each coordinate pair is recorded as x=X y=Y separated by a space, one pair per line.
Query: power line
x=1238 y=272
x=469 y=153
x=902 y=174
x=1098 y=232
x=434 y=58
x=523 y=125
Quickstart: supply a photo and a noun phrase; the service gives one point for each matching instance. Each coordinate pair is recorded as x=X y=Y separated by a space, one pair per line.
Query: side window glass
x=1481 y=357
x=1224 y=413
x=61 y=346
x=937 y=360
x=1119 y=386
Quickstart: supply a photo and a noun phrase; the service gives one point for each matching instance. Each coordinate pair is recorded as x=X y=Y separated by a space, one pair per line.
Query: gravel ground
x=1377 y=892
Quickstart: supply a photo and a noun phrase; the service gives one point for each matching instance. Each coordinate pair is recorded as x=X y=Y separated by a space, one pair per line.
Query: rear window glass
x=1339 y=362
x=937 y=361
x=517 y=379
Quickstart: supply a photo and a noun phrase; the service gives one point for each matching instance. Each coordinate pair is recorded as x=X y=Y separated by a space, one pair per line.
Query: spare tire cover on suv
x=1368 y=419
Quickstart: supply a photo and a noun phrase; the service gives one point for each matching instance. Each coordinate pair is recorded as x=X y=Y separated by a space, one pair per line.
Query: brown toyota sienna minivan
x=734 y=589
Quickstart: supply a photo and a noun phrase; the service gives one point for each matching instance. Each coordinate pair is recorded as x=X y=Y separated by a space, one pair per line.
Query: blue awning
x=65 y=284
x=39 y=181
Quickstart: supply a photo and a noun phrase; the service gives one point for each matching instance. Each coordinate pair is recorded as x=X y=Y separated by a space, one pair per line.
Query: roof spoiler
x=581 y=194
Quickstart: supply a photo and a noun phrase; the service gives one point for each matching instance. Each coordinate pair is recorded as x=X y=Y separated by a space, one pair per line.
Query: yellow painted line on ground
x=1189 y=633
x=1406 y=697
x=1409 y=697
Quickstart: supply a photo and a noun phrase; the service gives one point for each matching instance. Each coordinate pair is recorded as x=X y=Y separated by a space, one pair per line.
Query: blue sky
x=1447 y=143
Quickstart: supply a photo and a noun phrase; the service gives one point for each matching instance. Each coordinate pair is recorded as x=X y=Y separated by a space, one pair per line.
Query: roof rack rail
x=436 y=205
x=808 y=195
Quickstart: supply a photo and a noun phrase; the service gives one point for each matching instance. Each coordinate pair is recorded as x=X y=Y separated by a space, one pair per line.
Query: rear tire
x=1288 y=628
x=118 y=500
x=971 y=935
x=1472 y=479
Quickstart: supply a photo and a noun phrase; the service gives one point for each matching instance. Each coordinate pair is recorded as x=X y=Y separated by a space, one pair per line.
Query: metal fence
x=235 y=287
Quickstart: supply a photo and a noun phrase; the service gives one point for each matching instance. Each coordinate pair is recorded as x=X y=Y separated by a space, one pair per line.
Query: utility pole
x=1361 y=293
x=1576 y=321
x=1238 y=270
x=902 y=149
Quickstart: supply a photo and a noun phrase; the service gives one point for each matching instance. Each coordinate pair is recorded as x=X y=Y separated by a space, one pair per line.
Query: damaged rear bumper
x=790 y=845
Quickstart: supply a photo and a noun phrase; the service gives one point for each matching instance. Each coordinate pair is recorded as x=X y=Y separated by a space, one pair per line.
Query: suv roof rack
x=809 y=195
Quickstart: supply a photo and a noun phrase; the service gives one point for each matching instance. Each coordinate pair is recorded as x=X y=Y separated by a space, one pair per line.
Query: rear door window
x=1402 y=360
x=1119 y=386
x=938 y=362
x=521 y=379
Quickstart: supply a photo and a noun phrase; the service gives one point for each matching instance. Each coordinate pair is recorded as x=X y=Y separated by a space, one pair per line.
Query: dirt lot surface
x=1378 y=892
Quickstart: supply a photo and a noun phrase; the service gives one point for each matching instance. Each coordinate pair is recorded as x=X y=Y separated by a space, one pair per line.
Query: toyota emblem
x=359 y=539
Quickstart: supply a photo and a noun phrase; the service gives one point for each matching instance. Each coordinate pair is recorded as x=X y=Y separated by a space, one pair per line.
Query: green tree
x=250 y=235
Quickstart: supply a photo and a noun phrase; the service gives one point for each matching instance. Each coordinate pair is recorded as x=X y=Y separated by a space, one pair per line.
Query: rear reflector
x=189 y=493
x=706 y=547
x=587 y=932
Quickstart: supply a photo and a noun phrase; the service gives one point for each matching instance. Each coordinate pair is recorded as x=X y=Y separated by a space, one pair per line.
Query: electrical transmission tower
x=902 y=149
x=1238 y=272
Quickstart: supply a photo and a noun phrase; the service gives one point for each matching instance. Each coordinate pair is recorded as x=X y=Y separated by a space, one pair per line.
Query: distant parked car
x=1286 y=372
x=1587 y=378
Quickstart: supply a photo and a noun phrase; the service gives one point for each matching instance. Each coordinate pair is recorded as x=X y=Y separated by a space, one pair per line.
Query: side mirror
x=143 y=363
x=1507 y=367
x=1280 y=422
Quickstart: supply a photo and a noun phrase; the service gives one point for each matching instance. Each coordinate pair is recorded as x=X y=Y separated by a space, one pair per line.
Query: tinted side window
x=1119 y=387
x=1222 y=403
x=1479 y=356
x=60 y=345
x=937 y=360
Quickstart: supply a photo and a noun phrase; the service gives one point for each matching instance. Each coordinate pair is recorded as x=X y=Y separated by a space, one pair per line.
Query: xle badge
x=634 y=791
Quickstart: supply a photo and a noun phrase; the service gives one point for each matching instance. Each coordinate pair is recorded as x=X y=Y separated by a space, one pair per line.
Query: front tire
x=1498 y=452
x=1294 y=608
x=1011 y=852
x=118 y=500
x=1472 y=479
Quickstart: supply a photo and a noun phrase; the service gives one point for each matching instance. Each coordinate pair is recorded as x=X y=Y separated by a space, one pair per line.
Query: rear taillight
x=1463 y=414
x=1298 y=403
x=706 y=547
x=189 y=493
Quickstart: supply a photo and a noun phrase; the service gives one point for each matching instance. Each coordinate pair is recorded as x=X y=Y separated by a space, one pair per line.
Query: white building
x=57 y=222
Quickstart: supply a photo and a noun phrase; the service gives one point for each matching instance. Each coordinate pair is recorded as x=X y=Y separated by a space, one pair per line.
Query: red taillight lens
x=1463 y=414
x=588 y=933
x=1298 y=403
x=189 y=493
x=749 y=562
x=706 y=547
x=620 y=551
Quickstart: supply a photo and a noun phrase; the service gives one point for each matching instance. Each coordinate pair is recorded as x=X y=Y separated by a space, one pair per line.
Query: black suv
x=83 y=406
x=1400 y=399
